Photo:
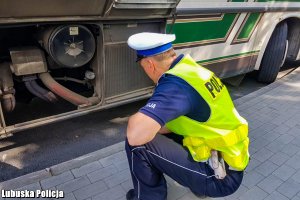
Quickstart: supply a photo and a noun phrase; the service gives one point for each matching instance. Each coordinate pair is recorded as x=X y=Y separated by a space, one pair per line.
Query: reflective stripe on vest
x=225 y=130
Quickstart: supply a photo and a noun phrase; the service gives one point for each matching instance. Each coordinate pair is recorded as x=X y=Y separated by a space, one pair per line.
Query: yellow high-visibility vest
x=225 y=130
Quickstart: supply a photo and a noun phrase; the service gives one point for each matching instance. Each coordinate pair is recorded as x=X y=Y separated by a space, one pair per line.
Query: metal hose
x=8 y=102
x=65 y=93
x=83 y=82
x=33 y=91
x=7 y=91
x=45 y=93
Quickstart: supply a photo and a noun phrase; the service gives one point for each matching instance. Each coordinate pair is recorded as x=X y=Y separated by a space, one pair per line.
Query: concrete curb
x=62 y=167
x=102 y=153
x=268 y=88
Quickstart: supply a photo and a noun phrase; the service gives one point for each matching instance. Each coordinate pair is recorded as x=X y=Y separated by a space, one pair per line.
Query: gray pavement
x=273 y=113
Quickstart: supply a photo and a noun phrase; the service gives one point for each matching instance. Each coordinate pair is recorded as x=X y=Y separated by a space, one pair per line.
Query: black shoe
x=131 y=195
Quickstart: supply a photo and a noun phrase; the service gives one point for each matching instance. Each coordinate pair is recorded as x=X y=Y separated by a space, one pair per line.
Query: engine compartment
x=51 y=72
x=61 y=59
x=47 y=63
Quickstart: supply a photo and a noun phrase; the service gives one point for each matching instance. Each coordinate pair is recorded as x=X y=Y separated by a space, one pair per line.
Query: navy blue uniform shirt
x=174 y=97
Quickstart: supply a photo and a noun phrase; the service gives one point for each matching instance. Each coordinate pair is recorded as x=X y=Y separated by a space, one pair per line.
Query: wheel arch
x=293 y=39
x=284 y=18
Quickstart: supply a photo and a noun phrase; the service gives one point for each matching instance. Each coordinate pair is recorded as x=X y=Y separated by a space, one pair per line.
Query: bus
x=61 y=59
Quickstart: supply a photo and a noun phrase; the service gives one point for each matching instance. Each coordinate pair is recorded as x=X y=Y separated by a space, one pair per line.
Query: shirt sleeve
x=168 y=102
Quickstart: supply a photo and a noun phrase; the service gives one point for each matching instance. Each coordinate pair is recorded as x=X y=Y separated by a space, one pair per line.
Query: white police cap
x=150 y=44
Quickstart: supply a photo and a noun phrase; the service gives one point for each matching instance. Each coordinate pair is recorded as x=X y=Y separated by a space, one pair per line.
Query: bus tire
x=273 y=55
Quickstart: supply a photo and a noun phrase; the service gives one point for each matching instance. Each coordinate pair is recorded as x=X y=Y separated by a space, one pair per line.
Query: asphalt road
x=42 y=147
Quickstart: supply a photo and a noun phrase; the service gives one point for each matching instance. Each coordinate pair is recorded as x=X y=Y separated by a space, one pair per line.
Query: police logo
x=214 y=86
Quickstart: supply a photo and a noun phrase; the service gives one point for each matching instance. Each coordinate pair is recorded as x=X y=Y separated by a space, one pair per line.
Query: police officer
x=188 y=130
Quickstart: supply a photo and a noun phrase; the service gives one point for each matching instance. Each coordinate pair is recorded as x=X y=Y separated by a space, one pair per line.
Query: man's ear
x=149 y=65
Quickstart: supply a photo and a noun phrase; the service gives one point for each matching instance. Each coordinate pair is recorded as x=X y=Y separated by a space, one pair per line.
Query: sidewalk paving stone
x=31 y=187
x=276 y=196
x=254 y=193
x=113 y=158
x=56 y=180
x=122 y=165
x=294 y=162
x=285 y=139
x=188 y=196
x=102 y=173
x=279 y=158
x=111 y=194
x=242 y=189
x=284 y=172
x=176 y=192
x=275 y=146
x=90 y=190
x=296 y=177
x=291 y=149
x=127 y=185
x=69 y=196
x=271 y=136
x=294 y=131
x=251 y=179
x=266 y=168
x=85 y=169
x=296 y=141
x=259 y=144
x=74 y=184
x=117 y=178
x=262 y=155
x=252 y=164
x=270 y=183
x=289 y=188
x=296 y=198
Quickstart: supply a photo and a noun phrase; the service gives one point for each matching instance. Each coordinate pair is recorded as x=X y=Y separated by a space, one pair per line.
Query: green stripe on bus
x=248 y=26
x=210 y=31
x=225 y=57
x=203 y=30
x=279 y=0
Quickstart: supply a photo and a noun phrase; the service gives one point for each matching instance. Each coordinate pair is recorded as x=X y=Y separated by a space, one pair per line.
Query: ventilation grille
x=122 y=74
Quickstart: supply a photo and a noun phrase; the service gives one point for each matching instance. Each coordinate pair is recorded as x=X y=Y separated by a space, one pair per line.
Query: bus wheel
x=274 y=55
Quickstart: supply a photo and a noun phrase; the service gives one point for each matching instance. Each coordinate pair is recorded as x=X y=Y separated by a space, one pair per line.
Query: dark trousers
x=163 y=155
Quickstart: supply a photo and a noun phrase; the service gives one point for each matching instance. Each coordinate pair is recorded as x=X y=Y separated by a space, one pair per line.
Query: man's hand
x=141 y=129
x=217 y=164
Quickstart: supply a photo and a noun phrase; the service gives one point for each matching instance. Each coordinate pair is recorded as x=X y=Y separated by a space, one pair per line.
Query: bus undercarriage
x=71 y=65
